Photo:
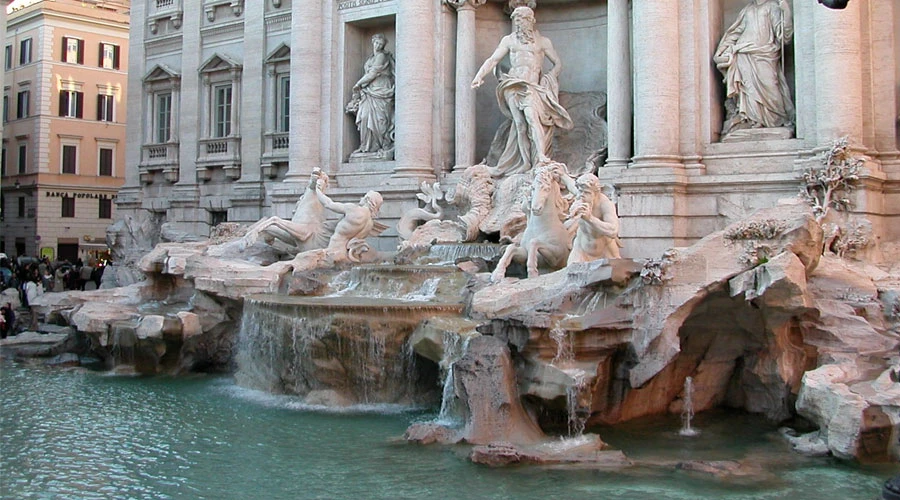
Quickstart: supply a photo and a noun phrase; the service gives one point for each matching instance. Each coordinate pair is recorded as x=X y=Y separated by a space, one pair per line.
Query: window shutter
x=99 y=107
x=79 y=104
x=80 y=51
x=115 y=57
x=100 y=56
x=63 y=103
x=109 y=108
x=65 y=45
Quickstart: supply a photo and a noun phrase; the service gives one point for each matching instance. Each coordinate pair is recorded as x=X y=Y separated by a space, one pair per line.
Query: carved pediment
x=219 y=62
x=280 y=54
x=160 y=73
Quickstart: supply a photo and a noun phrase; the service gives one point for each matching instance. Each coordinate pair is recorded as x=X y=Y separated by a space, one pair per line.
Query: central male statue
x=526 y=96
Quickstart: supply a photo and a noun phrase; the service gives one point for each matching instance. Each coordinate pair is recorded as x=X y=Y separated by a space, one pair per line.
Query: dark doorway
x=67 y=251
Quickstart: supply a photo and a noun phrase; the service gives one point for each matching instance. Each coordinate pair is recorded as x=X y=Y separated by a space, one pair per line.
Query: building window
x=109 y=56
x=73 y=50
x=23 y=157
x=105 y=209
x=69 y=159
x=163 y=117
x=222 y=107
x=5 y=108
x=22 y=103
x=71 y=103
x=25 y=51
x=21 y=207
x=3 y=162
x=105 y=108
x=217 y=217
x=7 y=64
x=284 y=104
x=106 y=161
x=68 y=206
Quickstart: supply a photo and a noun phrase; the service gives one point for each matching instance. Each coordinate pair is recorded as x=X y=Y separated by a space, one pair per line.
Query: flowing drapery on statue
x=373 y=104
x=750 y=56
x=526 y=96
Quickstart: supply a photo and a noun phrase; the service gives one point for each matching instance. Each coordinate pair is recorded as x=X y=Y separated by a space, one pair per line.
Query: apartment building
x=63 y=156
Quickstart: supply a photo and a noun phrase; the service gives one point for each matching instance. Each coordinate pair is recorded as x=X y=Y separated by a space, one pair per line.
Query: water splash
x=687 y=411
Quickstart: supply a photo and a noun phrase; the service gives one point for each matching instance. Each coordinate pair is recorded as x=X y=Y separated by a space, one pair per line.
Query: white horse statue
x=306 y=229
x=546 y=241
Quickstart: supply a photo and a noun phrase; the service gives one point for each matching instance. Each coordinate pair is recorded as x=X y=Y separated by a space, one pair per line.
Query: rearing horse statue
x=546 y=241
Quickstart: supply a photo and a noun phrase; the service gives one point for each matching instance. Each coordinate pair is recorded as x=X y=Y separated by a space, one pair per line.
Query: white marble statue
x=751 y=58
x=373 y=104
x=597 y=225
x=527 y=95
x=358 y=223
x=546 y=241
x=306 y=228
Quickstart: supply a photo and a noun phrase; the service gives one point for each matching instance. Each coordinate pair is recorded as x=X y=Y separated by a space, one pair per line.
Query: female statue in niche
x=373 y=104
x=750 y=56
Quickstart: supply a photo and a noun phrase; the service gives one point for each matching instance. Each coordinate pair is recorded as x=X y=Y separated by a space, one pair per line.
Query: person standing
x=33 y=290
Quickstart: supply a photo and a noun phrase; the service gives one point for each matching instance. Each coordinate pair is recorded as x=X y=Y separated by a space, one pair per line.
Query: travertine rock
x=486 y=383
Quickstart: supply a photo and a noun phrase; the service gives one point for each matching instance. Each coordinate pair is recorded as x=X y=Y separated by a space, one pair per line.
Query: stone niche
x=722 y=14
x=357 y=48
x=578 y=31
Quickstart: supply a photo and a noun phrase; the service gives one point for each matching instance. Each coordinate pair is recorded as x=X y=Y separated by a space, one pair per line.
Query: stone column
x=884 y=92
x=466 y=65
x=306 y=89
x=838 y=63
x=414 y=121
x=656 y=84
x=618 y=84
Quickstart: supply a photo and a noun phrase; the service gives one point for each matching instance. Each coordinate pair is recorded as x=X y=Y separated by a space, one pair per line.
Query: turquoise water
x=77 y=434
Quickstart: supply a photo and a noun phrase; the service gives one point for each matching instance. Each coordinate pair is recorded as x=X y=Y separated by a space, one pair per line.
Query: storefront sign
x=70 y=194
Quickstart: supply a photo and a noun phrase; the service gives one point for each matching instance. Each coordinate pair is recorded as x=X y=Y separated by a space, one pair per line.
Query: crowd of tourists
x=33 y=277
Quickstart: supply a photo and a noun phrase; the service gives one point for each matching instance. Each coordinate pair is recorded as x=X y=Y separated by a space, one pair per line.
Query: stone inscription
x=349 y=4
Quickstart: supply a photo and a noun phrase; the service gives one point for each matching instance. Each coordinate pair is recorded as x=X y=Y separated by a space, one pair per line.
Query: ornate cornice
x=463 y=4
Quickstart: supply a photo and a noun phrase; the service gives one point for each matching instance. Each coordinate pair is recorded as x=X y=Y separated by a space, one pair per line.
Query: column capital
x=465 y=4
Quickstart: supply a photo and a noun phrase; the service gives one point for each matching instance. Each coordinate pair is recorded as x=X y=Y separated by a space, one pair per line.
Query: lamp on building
x=834 y=4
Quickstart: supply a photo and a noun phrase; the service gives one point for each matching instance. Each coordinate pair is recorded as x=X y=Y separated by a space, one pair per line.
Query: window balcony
x=161 y=11
x=159 y=157
x=222 y=152
x=277 y=147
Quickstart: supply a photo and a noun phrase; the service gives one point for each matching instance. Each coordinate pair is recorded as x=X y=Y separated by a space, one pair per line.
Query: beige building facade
x=235 y=102
x=64 y=126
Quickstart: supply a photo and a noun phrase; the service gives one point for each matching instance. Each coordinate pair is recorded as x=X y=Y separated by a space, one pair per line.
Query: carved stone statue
x=373 y=104
x=527 y=96
x=597 y=231
x=358 y=223
x=750 y=56
x=306 y=228
x=546 y=241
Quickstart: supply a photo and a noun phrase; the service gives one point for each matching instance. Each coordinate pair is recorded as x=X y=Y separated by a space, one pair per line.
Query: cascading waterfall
x=687 y=411
x=449 y=253
x=565 y=352
x=454 y=349
x=345 y=350
x=578 y=396
x=428 y=290
x=577 y=409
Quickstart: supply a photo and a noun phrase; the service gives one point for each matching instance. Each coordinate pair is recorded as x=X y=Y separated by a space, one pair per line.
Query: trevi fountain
x=509 y=327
